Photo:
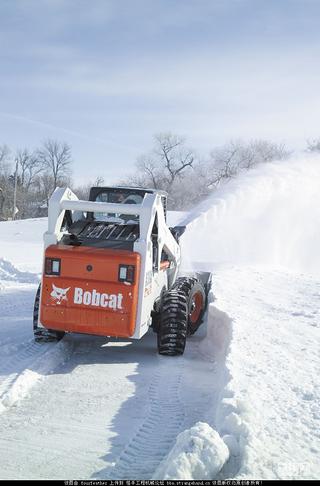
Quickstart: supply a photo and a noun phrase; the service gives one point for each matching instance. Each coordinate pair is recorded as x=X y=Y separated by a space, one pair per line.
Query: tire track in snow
x=18 y=361
x=19 y=353
x=155 y=437
x=28 y=366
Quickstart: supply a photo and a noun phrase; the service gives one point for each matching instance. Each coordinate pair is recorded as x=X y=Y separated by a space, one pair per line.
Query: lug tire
x=172 y=331
x=196 y=300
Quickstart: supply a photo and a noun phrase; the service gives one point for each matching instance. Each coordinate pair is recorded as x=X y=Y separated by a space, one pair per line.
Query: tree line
x=171 y=165
x=33 y=176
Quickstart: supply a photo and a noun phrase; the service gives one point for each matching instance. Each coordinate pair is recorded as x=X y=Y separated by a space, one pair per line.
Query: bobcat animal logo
x=59 y=295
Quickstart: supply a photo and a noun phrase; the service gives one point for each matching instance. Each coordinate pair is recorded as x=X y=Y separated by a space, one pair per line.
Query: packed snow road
x=92 y=407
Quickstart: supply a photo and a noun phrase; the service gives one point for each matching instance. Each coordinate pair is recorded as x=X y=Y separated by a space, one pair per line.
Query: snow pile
x=199 y=453
x=21 y=242
x=9 y=272
x=216 y=347
x=269 y=215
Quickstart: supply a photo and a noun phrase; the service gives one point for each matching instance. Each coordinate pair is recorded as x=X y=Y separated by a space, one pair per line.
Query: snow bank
x=199 y=453
x=9 y=272
x=227 y=418
x=268 y=413
x=21 y=242
x=269 y=215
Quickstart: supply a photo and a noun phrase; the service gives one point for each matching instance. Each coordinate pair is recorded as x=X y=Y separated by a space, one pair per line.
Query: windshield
x=118 y=196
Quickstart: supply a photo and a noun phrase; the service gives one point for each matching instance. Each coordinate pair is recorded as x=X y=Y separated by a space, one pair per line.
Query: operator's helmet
x=118 y=197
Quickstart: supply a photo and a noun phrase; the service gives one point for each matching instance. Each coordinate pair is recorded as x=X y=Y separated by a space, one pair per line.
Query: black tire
x=196 y=300
x=172 y=332
x=36 y=309
x=41 y=334
x=155 y=321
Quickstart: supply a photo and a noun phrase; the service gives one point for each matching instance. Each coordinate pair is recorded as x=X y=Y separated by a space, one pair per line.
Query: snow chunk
x=19 y=389
x=199 y=453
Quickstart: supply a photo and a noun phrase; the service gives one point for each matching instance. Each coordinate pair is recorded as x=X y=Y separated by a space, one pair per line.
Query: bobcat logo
x=59 y=294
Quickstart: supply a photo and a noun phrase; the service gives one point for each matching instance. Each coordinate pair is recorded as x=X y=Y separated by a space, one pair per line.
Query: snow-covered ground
x=243 y=401
x=274 y=369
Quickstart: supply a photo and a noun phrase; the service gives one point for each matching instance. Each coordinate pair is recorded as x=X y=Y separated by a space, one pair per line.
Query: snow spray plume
x=269 y=215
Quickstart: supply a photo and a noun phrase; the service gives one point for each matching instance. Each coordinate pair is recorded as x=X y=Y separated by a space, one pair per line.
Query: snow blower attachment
x=111 y=269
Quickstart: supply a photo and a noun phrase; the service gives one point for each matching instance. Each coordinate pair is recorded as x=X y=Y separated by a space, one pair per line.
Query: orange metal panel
x=87 y=296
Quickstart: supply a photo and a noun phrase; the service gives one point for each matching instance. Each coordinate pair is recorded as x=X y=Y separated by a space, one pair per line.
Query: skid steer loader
x=111 y=267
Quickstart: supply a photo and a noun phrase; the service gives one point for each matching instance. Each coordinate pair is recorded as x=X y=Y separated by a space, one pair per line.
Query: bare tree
x=4 y=180
x=173 y=154
x=168 y=162
x=226 y=161
x=99 y=181
x=44 y=187
x=55 y=159
x=38 y=174
x=83 y=191
x=4 y=159
x=29 y=167
x=149 y=173
x=2 y=199
x=313 y=146
x=260 y=151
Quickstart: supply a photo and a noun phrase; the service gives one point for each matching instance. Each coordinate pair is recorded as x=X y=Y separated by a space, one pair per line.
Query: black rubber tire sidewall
x=172 y=332
x=36 y=309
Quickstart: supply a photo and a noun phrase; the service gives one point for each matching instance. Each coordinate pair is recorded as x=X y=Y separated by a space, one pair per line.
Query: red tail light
x=52 y=266
x=126 y=273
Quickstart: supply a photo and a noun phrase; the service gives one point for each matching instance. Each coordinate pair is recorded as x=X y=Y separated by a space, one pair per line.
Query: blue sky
x=105 y=76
